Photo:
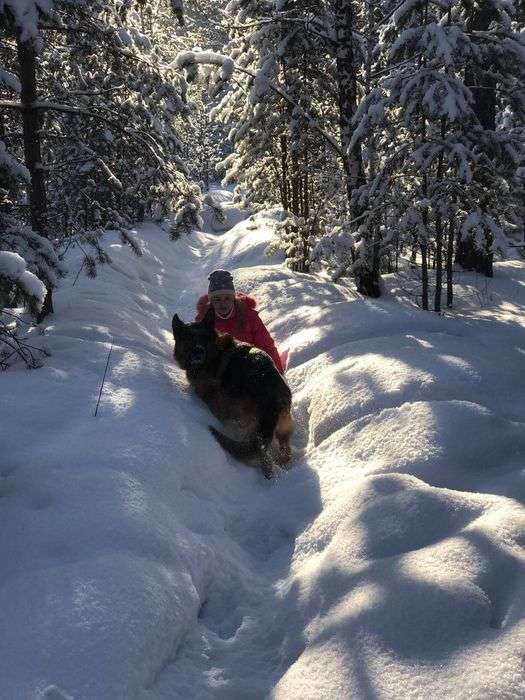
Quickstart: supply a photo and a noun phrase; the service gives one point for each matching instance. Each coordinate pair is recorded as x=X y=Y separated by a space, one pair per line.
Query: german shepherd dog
x=239 y=383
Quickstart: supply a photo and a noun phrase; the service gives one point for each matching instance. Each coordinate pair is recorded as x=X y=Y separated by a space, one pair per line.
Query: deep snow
x=141 y=562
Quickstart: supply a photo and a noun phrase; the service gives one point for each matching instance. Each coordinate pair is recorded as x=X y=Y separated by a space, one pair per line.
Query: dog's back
x=251 y=372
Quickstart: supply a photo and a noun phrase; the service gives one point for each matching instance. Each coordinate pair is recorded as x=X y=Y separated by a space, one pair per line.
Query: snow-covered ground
x=138 y=561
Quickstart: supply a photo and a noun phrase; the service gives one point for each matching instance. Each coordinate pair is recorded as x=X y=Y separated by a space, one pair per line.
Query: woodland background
x=389 y=134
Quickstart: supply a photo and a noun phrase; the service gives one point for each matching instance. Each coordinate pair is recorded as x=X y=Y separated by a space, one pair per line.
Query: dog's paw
x=267 y=470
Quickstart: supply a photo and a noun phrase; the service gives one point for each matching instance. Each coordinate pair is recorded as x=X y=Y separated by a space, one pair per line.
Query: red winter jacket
x=244 y=324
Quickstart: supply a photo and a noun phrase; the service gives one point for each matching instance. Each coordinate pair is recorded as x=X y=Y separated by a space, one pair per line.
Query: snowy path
x=140 y=562
x=233 y=651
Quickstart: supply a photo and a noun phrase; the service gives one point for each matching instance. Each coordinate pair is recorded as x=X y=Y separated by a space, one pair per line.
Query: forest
x=389 y=134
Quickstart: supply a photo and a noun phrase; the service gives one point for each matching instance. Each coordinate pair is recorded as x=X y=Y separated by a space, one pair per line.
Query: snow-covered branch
x=190 y=60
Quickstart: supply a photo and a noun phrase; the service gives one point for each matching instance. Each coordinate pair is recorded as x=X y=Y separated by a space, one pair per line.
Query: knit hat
x=220 y=281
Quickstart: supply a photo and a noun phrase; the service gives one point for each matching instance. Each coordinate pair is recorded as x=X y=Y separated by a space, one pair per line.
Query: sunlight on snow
x=120 y=398
x=365 y=597
x=304 y=337
x=87 y=604
x=132 y=495
x=459 y=363
x=420 y=341
x=130 y=362
x=394 y=439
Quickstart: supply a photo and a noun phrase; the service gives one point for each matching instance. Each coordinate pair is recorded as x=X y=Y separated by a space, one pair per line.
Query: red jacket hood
x=246 y=299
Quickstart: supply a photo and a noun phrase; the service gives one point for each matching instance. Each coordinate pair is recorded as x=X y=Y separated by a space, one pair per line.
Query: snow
x=188 y=59
x=10 y=164
x=125 y=37
x=139 y=561
x=10 y=81
x=13 y=266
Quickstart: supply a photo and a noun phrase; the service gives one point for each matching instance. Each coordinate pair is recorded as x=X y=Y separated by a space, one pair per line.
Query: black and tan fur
x=239 y=383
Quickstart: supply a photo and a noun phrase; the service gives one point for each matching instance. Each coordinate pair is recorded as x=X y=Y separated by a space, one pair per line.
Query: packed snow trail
x=141 y=562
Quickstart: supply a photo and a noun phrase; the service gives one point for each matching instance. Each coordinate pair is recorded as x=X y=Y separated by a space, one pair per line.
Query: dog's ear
x=177 y=325
x=209 y=318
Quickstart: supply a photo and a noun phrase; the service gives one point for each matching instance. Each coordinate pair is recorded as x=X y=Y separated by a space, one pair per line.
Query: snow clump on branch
x=14 y=267
x=189 y=61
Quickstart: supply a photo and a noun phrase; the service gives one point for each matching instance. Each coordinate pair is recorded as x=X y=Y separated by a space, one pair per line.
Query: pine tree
x=29 y=265
x=99 y=115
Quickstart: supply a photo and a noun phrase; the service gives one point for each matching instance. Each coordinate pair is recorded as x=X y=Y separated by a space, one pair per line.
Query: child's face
x=223 y=302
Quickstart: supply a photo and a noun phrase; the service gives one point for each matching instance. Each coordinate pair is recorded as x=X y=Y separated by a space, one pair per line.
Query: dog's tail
x=238 y=449
x=245 y=450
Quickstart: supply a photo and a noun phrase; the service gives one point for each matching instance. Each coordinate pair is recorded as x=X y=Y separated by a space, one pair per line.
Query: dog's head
x=194 y=342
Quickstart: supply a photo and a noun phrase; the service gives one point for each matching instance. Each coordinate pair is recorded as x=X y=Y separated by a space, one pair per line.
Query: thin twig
x=17 y=346
x=103 y=380
x=18 y=319
x=79 y=271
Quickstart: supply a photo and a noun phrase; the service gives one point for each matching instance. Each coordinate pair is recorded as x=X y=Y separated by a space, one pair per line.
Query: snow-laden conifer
x=443 y=175
x=284 y=114
x=100 y=118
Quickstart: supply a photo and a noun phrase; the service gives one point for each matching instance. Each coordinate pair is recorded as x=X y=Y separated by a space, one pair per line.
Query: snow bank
x=139 y=561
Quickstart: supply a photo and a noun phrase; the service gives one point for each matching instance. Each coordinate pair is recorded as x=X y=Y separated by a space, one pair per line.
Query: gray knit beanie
x=220 y=281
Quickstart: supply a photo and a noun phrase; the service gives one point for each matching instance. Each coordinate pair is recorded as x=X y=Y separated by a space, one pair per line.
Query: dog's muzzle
x=198 y=355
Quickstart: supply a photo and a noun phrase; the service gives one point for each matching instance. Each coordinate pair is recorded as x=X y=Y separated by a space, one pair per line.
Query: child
x=235 y=313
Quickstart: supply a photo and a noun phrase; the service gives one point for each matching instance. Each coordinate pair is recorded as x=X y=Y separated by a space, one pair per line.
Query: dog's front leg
x=267 y=464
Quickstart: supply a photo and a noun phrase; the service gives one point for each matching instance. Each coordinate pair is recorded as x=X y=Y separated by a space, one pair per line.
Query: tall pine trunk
x=450 y=260
x=438 y=258
x=438 y=262
x=347 y=97
x=296 y=178
x=31 y=124
x=423 y=242
x=424 y=276
x=483 y=88
x=284 y=169
x=367 y=275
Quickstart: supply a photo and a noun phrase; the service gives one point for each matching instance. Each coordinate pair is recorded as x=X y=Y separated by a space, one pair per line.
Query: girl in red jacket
x=235 y=313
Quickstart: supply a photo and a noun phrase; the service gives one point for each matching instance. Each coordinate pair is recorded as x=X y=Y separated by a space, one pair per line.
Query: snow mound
x=403 y=590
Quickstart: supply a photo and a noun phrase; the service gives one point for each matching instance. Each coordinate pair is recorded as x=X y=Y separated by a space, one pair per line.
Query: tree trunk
x=31 y=135
x=367 y=275
x=284 y=168
x=438 y=259
x=438 y=252
x=32 y=148
x=484 y=95
x=468 y=255
x=347 y=97
x=424 y=276
x=306 y=203
x=423 y=243
x=450 y=259
x=295 y=185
